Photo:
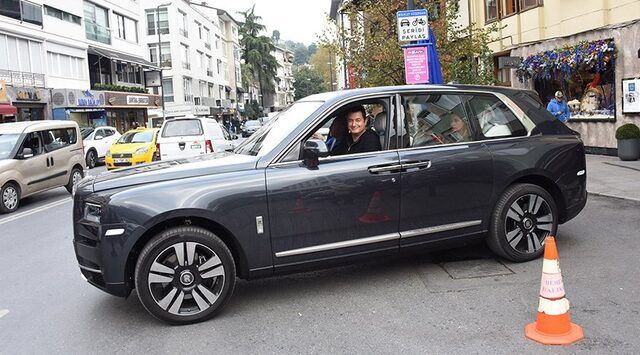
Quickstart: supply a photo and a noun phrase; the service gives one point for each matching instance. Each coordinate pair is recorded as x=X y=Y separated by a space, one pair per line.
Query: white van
x=37 y=156
x=189 y=136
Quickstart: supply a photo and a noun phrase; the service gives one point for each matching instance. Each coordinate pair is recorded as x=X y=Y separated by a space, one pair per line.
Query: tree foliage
x=261 y=65
x=307 y=82
x=371 y=45
x=252 y=110
x=321 y=62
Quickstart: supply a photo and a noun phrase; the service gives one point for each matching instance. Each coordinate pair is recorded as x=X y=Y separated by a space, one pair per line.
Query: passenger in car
x=460 y=129
x=360 y=138
x=336 y=141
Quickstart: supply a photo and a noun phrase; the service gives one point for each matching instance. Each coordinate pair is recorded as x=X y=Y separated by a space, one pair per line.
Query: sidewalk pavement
x=612 y=177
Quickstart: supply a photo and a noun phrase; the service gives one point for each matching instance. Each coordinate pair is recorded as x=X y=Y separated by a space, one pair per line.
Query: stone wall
x=627 y=41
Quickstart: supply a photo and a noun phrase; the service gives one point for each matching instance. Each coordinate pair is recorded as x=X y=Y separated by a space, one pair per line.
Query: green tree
x=252 y=110
x=371 y=45
x=261 y=65
x=275 y=36
x=307 y=82
x=322 y=61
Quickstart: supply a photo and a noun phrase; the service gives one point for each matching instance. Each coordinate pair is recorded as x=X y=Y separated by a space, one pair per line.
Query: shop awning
x=6 y=109
x=119 y=56
x=227 y=87
x=240 y=90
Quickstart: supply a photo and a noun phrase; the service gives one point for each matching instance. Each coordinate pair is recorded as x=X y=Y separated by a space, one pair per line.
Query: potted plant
x=628 y=136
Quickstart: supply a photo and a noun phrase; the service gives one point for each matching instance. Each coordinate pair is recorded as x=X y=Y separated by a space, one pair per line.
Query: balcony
x=205 y=101
x=224 y=103
x=207 y=45
x=18 y=78
x=184 y=32
x=166 y=63
x=186 y=65
x=97 y=32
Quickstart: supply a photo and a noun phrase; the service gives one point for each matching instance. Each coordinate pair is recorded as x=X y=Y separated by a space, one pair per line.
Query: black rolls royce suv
x=455 y=165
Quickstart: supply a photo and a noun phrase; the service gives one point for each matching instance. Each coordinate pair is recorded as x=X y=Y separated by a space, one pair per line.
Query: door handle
x=48 y=164
x=420 y=164
x=51 y=161
x=384 y=168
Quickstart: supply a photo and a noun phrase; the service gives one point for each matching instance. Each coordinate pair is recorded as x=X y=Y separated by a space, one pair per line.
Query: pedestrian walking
x=558 y=107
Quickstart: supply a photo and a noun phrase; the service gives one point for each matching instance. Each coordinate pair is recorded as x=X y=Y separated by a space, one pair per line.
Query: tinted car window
x=136 y=137
x=432 y=119
x=109 y=132
x=58 y=138
x=7 y=143
x=495 y=118
x=179 y=128
x=86 y=132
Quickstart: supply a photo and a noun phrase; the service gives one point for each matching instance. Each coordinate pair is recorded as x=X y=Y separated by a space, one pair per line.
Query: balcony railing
x=186 y=65
x=207 y=45
x=97 y=32
x=184 y=32
x=18 y=78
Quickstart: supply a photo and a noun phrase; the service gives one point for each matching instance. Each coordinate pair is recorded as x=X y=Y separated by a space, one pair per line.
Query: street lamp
x=160 y=49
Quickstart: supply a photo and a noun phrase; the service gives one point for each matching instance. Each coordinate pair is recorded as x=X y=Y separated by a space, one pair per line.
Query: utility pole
x=410 y=5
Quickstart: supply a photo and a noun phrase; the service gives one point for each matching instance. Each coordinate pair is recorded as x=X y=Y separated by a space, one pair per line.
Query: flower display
x=595 y=56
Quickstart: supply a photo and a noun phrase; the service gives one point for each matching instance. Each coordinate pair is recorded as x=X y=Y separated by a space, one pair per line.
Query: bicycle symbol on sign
x=420 y=21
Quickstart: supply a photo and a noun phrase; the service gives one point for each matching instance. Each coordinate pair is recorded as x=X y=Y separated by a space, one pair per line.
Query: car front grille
x=115 y=156
x=122 y=164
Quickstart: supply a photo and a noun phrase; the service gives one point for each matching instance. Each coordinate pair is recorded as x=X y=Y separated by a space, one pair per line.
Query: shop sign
x=413 y=25
x=630 y=95
x=89 y=100
x=202 y=110
x=178 y=111
x=137 y=100
x=3 y=92
x=509 y=62
x=27 y=95
x=152 y=79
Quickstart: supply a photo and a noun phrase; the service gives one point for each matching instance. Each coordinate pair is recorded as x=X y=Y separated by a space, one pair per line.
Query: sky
x=297 y=20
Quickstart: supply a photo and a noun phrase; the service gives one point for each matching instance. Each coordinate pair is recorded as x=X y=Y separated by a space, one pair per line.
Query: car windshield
x=7 y=143
x=181 y=127
x=86 y=132
x=136 y=137
x=277 y=128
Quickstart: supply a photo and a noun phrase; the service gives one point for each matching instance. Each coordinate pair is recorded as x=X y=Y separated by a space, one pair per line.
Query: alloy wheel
x=529 y=221
x=186 y=278
x=10 y=198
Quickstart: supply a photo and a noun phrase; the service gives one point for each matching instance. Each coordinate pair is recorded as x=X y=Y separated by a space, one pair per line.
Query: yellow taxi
x=135 y=147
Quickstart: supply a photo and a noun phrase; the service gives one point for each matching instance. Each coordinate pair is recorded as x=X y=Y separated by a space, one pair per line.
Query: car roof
x=30 y=126
x=142 y=129
x=345 y=94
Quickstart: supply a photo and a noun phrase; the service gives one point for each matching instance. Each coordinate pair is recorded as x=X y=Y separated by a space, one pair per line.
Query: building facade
x=586 y=49
x=284 y=93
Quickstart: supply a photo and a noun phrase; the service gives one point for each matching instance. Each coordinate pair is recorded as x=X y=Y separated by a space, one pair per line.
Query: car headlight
x=141 y=151
x=92 y=212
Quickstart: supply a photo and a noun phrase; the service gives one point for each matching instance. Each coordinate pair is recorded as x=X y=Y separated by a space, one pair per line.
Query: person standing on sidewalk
x=559 y=108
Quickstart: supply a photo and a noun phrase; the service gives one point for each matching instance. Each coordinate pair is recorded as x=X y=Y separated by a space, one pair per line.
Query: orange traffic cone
x=553 y=325
x=374 y=211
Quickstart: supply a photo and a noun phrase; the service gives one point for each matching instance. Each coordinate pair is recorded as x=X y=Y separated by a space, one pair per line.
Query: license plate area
x=121 y=160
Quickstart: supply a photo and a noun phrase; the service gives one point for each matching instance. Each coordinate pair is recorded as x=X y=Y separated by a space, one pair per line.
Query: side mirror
x=312 y=150
x=26 y=153
x=98 y=138
x=234 y=136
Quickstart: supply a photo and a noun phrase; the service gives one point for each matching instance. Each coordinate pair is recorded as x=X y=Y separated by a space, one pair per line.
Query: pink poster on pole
x=416 y=68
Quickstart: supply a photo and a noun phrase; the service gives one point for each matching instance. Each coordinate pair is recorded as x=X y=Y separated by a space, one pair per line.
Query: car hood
x=206 y=164
x=127 y=147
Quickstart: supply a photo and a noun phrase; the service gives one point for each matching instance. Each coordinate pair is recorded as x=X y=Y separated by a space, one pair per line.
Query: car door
x=347 y=205
x=35 y=170
x=101 y=142
x=447 y=175
x=59 y=145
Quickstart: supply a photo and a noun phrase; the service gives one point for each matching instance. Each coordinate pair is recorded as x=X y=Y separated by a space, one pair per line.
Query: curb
x=613 y=196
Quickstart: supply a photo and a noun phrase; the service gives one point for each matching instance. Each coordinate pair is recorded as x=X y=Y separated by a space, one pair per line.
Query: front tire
x=185 y=275
x=524 y=216
x=76 y=175
x=9 y=198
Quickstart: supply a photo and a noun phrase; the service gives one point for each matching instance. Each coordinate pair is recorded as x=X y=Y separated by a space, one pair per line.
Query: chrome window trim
x=440 y=228
x=518 y=113
x=338 y=245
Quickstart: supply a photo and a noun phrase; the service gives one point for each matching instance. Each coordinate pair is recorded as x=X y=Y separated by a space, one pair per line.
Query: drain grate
x=470 y=269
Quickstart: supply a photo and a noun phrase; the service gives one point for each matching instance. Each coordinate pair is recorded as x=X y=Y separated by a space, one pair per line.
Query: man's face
x=356 y=122
x=559 y=98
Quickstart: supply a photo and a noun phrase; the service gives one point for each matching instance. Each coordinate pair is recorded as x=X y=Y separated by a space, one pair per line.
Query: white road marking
x=3 y=312
x=35 y=210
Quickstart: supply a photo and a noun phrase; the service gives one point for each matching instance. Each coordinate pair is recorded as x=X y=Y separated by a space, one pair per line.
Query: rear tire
x=76 y=175
x=524 y=216
x=9 y=198
x=185 y=275
x=91 y=159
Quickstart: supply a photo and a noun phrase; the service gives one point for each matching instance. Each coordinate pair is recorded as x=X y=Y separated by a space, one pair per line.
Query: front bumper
x=109 y=161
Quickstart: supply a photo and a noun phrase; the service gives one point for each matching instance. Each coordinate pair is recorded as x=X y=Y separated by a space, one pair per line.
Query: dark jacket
x=368 y=142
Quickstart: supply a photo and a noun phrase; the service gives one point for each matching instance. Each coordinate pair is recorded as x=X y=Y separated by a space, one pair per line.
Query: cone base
x=570 y=337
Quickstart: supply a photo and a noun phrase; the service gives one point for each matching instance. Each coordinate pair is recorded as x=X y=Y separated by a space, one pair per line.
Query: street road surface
x=461 y=301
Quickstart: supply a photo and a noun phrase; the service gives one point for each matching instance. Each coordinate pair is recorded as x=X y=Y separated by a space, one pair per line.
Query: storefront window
x=584 y=73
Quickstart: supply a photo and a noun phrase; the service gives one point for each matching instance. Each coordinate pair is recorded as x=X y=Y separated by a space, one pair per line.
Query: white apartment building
x=198 y=63
x=283 y=83
x=54 y=52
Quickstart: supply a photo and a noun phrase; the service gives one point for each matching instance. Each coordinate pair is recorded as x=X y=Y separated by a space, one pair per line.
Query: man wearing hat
x=559 y=108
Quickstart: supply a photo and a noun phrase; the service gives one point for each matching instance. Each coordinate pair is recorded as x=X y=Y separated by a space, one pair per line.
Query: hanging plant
x=595 y=56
